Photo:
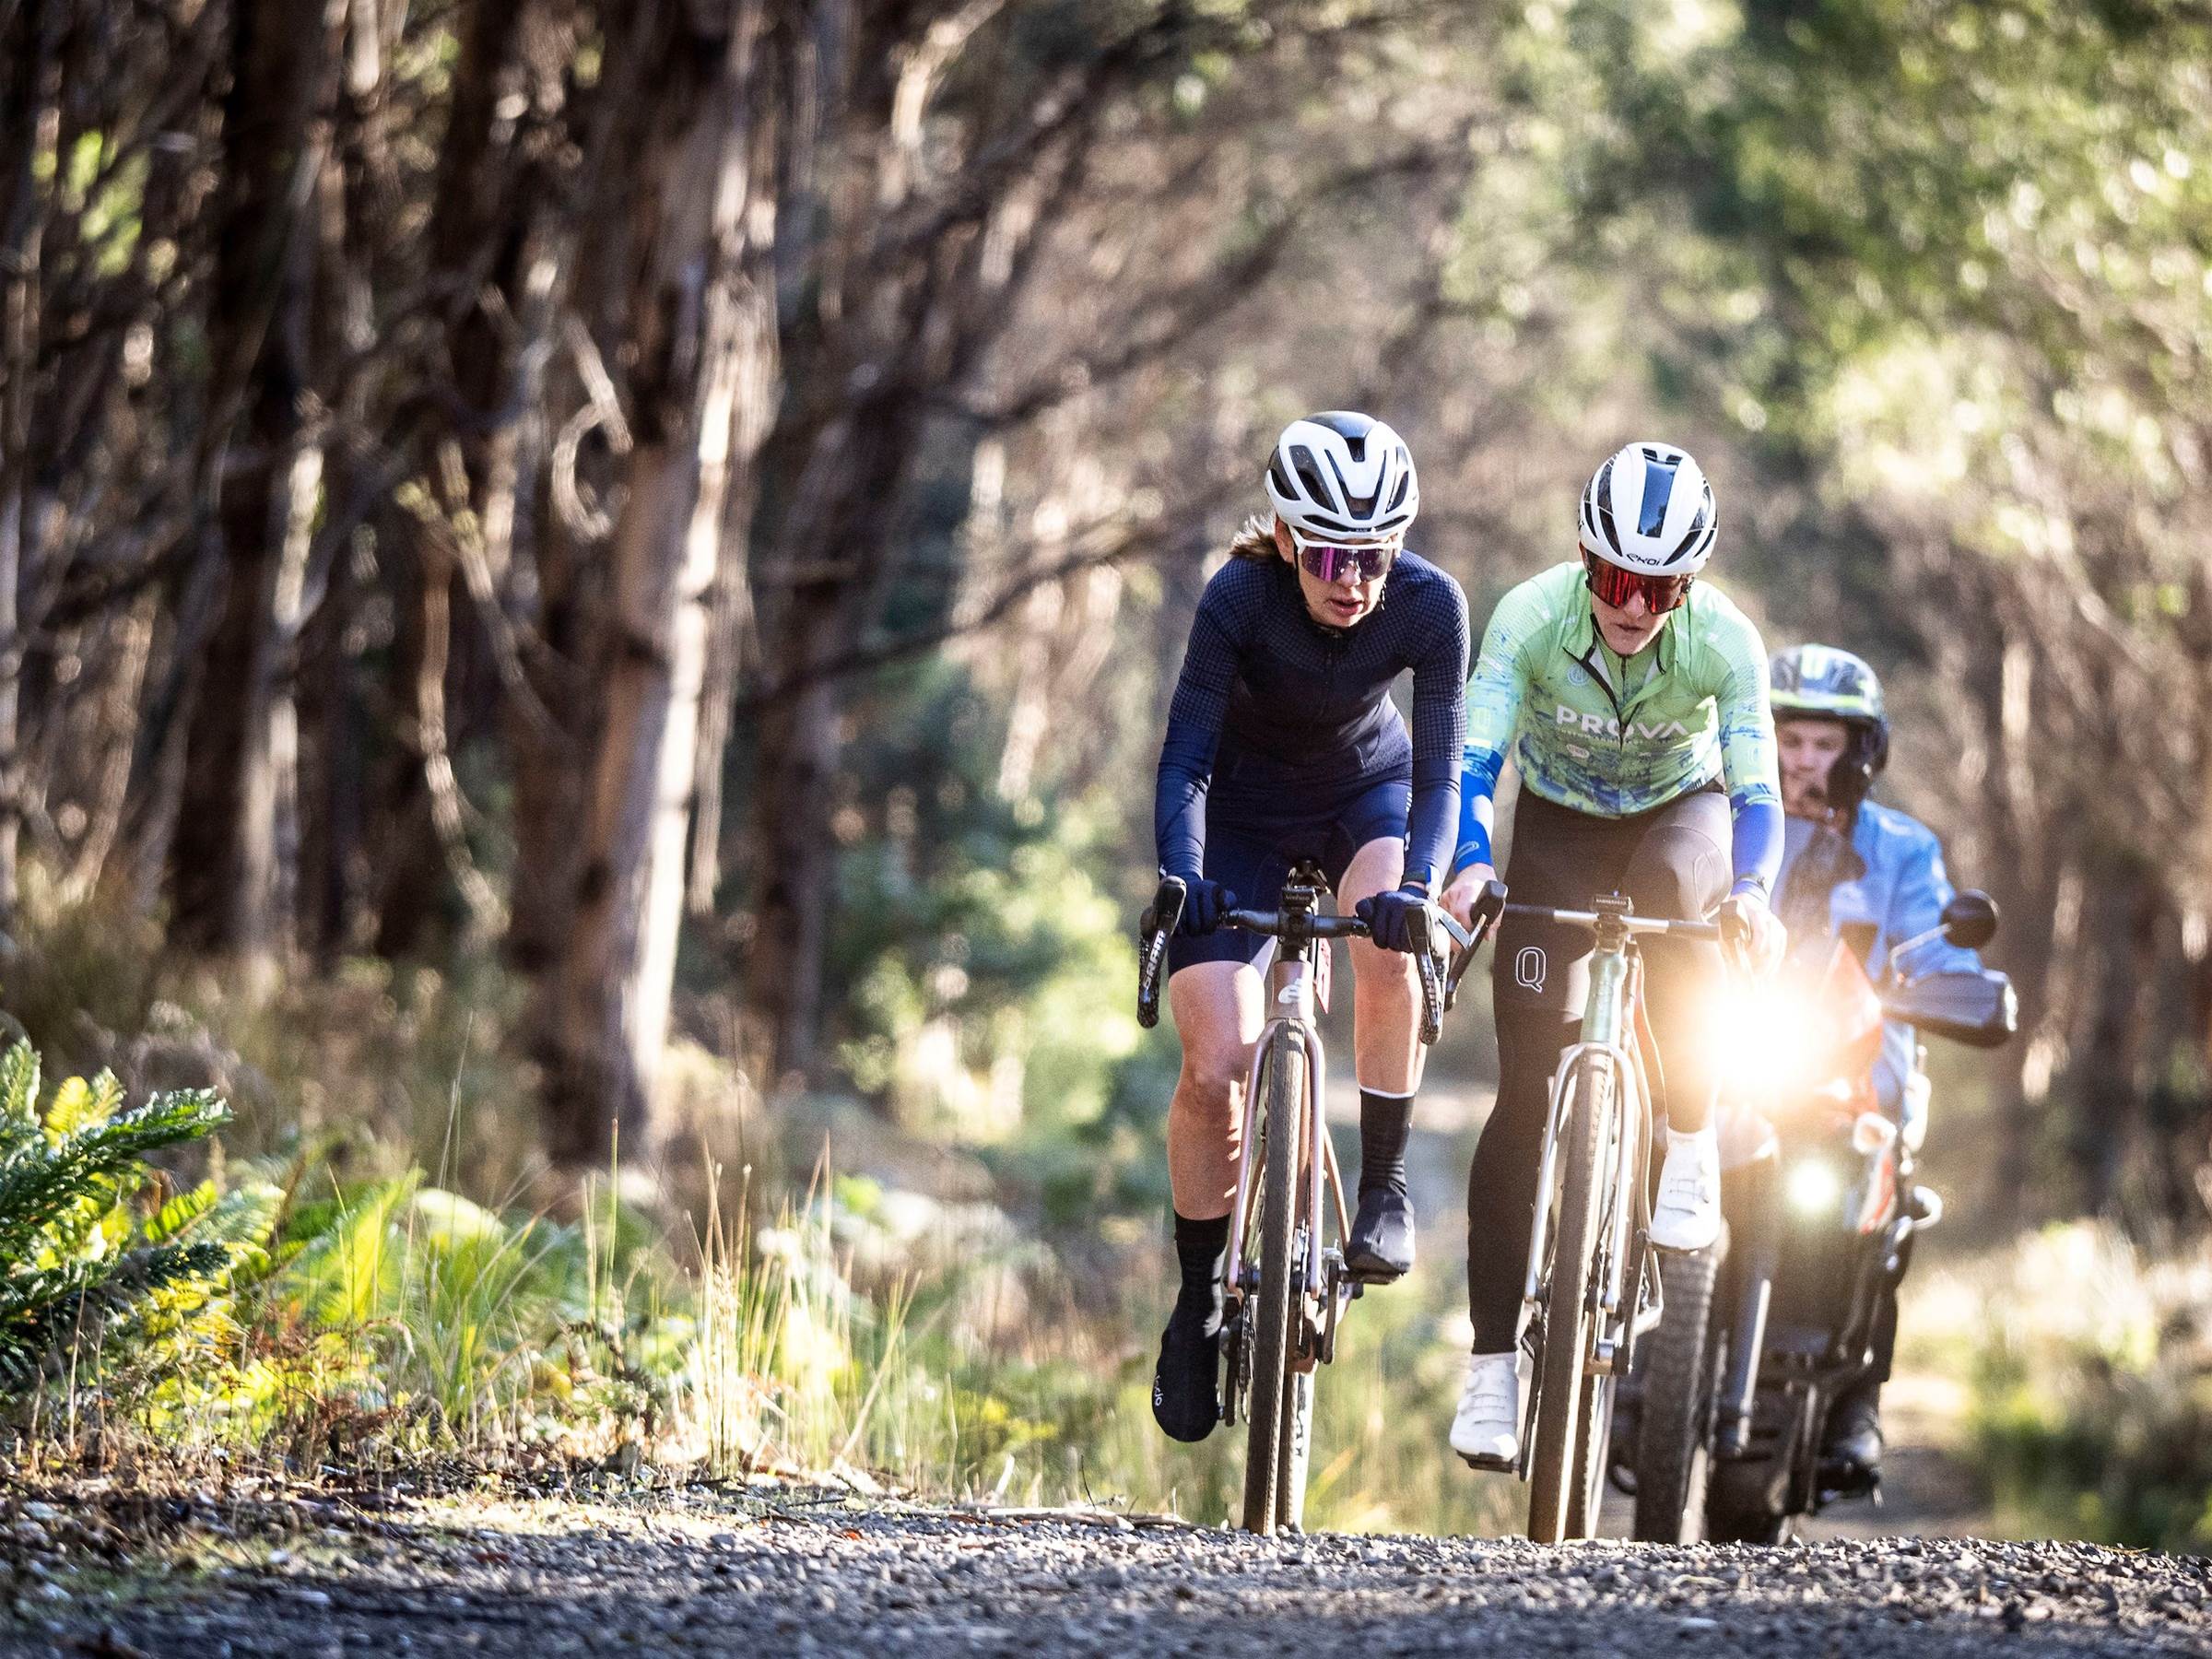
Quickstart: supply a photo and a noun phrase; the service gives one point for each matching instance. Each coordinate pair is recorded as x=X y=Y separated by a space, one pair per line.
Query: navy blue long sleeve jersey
x=1273 y=702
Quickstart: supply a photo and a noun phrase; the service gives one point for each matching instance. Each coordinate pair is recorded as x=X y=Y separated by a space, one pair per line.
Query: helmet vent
x=1310 y=475
x=1604 y=504
x=1658 y=492
x=1697 y=530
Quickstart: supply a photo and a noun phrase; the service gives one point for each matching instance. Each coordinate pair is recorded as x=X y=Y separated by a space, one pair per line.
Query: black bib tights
x=1671 y=861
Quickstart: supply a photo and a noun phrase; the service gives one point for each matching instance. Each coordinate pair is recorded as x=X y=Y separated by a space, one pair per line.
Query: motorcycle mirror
x=1971 y=919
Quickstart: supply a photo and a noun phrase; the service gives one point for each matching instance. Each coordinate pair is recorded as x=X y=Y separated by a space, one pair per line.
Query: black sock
x=1186 y=1393
x=1385 y=1120
x=1202 y=1248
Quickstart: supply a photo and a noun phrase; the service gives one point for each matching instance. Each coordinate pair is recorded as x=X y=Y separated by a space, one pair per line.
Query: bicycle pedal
x=1371 y=1276
x=1491 y=1466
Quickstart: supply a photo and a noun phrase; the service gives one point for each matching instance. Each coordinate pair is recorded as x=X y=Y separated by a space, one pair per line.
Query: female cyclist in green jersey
x=1633 y=701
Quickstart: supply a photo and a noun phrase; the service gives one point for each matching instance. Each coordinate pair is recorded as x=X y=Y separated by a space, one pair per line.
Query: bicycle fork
x=1289 y=986
x=1626 y=1199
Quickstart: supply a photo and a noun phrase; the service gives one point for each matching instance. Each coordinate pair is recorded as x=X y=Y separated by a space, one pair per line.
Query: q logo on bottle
x=1528 y=968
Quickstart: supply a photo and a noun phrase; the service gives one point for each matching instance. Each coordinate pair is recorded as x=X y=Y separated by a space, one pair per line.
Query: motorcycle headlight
x=1813 y=1187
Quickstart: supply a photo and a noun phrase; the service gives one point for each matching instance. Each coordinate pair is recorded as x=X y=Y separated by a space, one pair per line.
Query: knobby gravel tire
x=1673 y=1445
x=1551 y=1497
x=1592 y=1434
x=1297 y=1450
x=1266 y=1439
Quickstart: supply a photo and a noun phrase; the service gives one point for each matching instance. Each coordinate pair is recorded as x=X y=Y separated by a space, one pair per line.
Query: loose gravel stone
x=728 y=1575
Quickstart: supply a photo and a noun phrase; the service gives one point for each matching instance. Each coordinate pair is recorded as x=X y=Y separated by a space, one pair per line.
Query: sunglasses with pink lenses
x=1326 y=562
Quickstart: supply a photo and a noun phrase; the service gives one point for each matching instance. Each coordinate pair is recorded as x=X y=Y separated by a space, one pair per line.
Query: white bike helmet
x=1343 y=477
x=1649 y=509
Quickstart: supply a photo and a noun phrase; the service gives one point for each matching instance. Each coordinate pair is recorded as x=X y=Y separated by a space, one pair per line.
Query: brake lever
x=1489 y=905
x=1155 y=926
x=1435 y=997
x=1432 y=996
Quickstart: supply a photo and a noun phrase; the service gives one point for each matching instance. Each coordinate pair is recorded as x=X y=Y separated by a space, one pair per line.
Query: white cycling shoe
x=1486 y=1430
x=1688 y=1216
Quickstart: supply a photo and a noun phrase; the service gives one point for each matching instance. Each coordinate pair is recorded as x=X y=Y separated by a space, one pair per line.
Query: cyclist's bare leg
x=1386 y=988
x=1218 y=1013
x=1388 y=1055
x=1218 y=1008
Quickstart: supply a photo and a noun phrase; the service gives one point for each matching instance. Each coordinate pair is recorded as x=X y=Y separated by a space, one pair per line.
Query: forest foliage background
x=535 y=531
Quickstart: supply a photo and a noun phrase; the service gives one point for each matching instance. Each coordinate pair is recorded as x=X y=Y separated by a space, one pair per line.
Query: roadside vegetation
x=336 y=1256
x=376 y=1278
x=2088 y=1363
x=590 y=665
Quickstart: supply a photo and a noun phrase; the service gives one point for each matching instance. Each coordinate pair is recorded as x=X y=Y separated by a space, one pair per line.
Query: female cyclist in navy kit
x=1283 y=744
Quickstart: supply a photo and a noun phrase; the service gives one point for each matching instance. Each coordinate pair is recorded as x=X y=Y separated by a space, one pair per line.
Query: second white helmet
x=1341 y=475
x=1650 y=509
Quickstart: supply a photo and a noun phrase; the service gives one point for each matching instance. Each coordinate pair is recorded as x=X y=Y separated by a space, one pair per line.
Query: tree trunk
x=838 y=559
x=2027 y=884
x=793 y=777
x=2107 y=1096
x=26 y=147
x=701 y=190
x=225 y=857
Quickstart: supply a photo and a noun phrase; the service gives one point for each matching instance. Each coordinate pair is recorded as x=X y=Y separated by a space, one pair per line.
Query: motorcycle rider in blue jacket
x=1854 y=870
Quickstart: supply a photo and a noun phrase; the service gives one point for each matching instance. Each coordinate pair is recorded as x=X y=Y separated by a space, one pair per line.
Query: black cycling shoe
x=1186 y=1387
x=1851 y=1457
x=1380 y=1247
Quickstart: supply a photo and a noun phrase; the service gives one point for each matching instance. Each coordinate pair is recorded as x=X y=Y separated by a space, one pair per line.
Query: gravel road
x=726 y=1574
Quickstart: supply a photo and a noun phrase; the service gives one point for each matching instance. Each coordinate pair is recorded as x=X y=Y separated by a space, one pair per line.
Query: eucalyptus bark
x=703 y=221
x=254 y=472
x=27 y=142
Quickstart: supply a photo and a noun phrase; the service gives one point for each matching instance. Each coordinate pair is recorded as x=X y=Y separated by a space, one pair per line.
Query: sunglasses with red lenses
x=1326 y=562
x=1615 y=586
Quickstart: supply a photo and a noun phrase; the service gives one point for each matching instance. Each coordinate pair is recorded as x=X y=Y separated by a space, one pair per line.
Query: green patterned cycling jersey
x=1611 y=738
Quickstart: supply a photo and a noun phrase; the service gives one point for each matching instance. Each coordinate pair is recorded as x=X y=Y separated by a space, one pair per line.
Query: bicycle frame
x=1290 y=988
x=1285 y=1306
x=1608 y=1017
x=1613 y=1032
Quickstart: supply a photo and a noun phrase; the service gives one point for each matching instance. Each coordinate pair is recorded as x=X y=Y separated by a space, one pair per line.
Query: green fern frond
x=79 y=1105
x=247 y=1215
x=72 y=1259
x=350 y=1263
x=71 y=1110
x=39 y=1183
x=182 y=1212
x=20 y=1083
x=42 y=1314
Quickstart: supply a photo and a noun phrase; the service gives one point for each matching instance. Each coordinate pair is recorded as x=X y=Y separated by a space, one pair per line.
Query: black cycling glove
x=1397 y=921
x=1205 y=903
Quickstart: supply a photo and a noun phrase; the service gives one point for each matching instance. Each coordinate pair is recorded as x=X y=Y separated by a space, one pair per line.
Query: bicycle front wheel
x=1271 y=1429
x=1554 y=1498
